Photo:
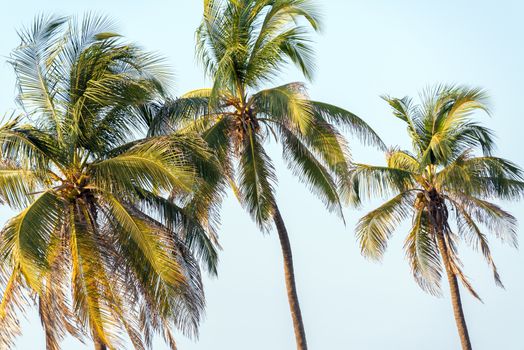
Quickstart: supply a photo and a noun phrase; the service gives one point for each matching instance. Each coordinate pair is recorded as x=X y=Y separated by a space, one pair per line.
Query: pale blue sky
x=368 y=48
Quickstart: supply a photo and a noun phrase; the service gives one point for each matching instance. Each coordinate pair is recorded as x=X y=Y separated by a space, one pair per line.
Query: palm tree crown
x=244 y=45
x=442 y=186
x=96 y=243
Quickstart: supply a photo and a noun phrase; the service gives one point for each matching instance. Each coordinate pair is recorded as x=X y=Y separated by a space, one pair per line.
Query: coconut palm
x=97 y=243
x=444 y=186
x=243 y=45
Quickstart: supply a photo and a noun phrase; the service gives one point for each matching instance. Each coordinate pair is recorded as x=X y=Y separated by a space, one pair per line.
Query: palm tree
x=96 y=243
x=244 y=44
x=443 y=187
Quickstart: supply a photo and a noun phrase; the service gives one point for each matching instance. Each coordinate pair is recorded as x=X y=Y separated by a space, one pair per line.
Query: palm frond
x=348 y=121
x=16 y=186
x=456 y=265
x=405 y=110
x=422 y=253
x=199 y=239
x=286 y=104
x=476 y=238
x=12 y=304
x=368 y=181
x=485 y=177
x=402 y=160
x=249 y=42
x=493 y=217
x=375 y=228
x=256 y=180
x=177 y=302
x=88 y=279
x=148 y=241
x=29 y=147
x=151 y=166
x=25 y=237
x=310 y=170
x=36 y=76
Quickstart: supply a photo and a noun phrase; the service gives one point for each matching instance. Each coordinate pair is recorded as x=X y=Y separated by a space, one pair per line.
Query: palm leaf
x=16 y=184
x=285 y=104
x=25 y=237
x=422 y=253
x=348 y=121
x=474 y=236
x=375 y=228
x=307 y=167
x=150 y=166
x=367 y=180
x=256 y=178
x=494 y=218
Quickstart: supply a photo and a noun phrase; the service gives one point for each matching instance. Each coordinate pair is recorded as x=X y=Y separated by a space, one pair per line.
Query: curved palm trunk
x=455 y=296
x=296 y=315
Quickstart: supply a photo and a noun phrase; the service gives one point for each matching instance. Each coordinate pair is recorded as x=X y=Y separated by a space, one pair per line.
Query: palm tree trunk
x=455 y=295
x=289 y=273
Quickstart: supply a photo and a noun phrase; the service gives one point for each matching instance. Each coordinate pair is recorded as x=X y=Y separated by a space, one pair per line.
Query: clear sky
x=368 y=48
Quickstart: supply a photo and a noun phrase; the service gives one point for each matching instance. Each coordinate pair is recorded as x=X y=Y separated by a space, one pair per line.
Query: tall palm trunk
x=289 y=272
x=455 y=295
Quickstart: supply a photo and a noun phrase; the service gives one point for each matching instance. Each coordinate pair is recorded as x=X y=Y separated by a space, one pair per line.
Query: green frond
x=266 y=62
x=16 y=186
x=146 y=239
x=79 y=81
x=348 y=121
x=485 y=177
x=369 y=181
x=256 y=178
x=218 y=138
x=286 y=104
x=11 y=305
x=447 y=129
x=402 y=160
x=249 y=42
x=493 y=217
x=274 y=40
x=165 y=301
x=457 y=104
x=88 y=279
x=109 y=79
x=152 y=166
x=310 y=170
x=476 y=238
x=187 y=223
x=423 y=255
x=375 y=228
x=36 y=76
x=407 y=112
x=25 y=238
x=329 y=145
x=456 y=265
x=475 y=135
x=193 y=113
x=29 y=147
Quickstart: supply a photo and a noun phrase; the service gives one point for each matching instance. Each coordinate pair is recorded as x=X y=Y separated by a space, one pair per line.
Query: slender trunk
x=455 y=296
x=296 y=315
x=99 y=345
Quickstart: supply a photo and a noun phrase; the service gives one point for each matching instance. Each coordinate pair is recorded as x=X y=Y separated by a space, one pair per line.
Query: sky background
x=368 y=48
